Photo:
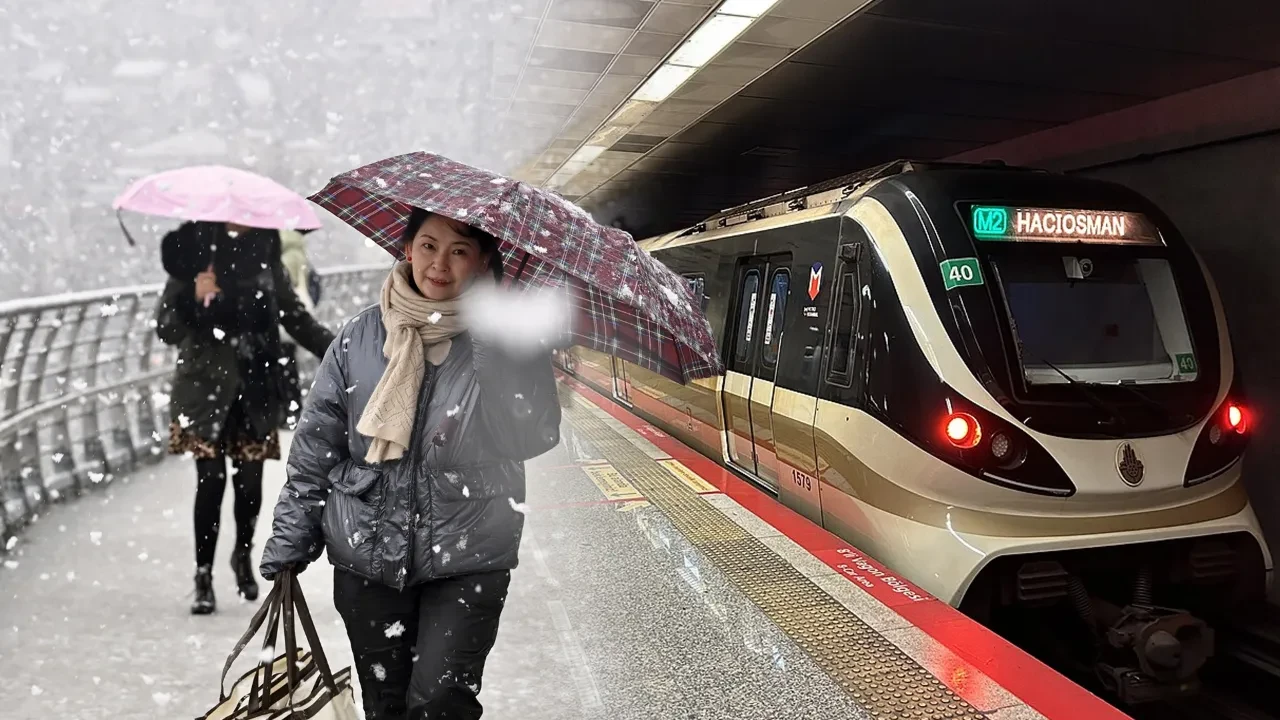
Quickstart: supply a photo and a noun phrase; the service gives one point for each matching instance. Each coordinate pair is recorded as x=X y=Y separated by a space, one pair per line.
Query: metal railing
x=84 y=385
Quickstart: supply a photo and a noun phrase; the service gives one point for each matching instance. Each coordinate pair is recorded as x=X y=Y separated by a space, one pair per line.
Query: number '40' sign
x=960 y=272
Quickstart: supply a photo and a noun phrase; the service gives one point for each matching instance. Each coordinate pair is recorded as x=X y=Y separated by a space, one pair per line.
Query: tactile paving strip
x=881 y=678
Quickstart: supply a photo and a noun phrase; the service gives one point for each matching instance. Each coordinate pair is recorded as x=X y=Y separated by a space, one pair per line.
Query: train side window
x=843 y=334
x=776 y=312
x=698 y=288
x=748 y=301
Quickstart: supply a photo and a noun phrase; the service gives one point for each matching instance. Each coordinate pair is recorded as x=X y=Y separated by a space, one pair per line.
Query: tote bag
x=295 y=685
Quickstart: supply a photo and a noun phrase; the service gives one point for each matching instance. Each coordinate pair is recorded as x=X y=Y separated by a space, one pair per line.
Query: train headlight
x=962 y=430
x=1006 y=450
x=1001 y=447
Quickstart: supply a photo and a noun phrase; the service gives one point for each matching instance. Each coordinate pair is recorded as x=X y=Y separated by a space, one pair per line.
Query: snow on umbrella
x=625 y=302
x=214 y=193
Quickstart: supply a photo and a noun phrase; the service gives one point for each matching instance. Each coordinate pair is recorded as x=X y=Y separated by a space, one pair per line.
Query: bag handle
x=284 y=602
x=259 y=692
x=313 y=638
x=255 y=624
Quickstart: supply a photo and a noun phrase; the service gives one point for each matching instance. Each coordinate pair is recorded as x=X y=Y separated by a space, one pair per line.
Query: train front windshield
x=1122 y=322
x=1083 y=307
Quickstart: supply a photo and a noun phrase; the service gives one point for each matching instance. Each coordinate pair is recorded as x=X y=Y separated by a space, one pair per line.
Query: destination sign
x=1001 y=223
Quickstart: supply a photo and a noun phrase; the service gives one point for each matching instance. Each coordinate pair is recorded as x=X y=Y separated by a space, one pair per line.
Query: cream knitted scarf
x=418 y=330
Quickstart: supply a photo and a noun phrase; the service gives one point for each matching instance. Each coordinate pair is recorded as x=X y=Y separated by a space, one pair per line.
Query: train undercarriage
x=1140 y=623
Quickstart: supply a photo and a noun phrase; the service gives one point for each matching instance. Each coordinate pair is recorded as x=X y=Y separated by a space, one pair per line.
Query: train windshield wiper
x=1153 y=403
x=1087 y=394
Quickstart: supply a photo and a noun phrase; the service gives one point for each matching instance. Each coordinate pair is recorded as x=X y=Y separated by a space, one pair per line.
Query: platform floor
x=646 y=590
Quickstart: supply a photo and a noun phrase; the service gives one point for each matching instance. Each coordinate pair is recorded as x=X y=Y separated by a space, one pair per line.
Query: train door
x=751 y=365
x=621 y=388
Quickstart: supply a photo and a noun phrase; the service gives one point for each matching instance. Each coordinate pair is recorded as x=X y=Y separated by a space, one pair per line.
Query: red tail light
x=1236 y=418
x=962 y=430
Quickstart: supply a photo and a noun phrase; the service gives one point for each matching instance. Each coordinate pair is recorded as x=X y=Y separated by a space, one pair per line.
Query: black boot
x=242 y=566
x=204 y=603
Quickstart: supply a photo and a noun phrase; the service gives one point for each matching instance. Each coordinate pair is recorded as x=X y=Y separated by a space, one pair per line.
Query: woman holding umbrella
x=223 y=306
x=408 y=462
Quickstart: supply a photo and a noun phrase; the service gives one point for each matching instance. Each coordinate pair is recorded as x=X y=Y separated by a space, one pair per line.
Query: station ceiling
x=819 y=88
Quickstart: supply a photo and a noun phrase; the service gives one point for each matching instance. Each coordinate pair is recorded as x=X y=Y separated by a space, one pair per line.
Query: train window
x=747 y=303
x=1102 y=320
x=774 y=317
x=842 y=336
x=698 y=287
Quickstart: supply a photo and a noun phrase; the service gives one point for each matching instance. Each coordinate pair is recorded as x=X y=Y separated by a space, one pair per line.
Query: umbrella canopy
x=625 y=302
x=214 y=193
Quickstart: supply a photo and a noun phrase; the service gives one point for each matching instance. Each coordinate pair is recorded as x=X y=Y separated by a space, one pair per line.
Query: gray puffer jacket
x=448 y=507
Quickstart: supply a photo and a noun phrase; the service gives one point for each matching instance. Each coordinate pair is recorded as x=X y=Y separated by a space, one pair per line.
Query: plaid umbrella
x=625 y=302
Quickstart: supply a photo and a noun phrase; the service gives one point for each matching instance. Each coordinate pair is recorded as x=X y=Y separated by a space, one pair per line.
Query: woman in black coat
x=408 y=467
x=226 y=298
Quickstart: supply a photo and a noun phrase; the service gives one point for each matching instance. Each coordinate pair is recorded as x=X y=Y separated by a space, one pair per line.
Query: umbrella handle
x=125 y=230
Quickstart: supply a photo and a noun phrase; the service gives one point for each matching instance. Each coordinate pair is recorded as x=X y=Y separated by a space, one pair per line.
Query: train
x=1014 y=387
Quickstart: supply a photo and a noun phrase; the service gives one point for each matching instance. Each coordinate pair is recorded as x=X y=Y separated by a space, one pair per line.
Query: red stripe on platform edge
x=1037 y=685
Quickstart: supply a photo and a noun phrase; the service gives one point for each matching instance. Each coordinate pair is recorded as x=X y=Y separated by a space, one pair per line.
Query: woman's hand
x=207 y=285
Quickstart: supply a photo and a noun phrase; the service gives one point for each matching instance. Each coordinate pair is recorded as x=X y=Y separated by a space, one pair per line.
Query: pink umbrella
x=214 y=193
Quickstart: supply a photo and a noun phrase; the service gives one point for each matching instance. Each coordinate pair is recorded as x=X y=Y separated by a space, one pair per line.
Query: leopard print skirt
x=238 y=442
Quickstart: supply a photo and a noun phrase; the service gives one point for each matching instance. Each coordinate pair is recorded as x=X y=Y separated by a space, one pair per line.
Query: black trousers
x=420 y=652
x=211 y=485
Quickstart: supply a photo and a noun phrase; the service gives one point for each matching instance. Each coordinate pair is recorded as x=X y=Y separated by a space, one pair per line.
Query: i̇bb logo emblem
x=815 y=280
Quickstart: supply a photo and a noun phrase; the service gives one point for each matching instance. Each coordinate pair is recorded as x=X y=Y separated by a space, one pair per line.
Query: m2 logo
x=815 y=280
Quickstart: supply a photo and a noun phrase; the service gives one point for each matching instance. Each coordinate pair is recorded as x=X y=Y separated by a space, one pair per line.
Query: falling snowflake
x=161 y=699
x=267 y=654
x=456 y=409
x=444 y=558
x=435 y=549
x=159 y=399
x=395 y=629
x=521 y=508
x=95 y=537
x=293 y=405
x=142 y=557
x=381 y=183
x=283 y=361
x=96 y=477
x=57 y=457
x=184 y=421
x=462 y=541
x=109 y=310
x=434 y=318
x=498 y=181
x=355 y=538
x=37 y=690
x=540 y=249
x=379 y=671
x=219 y=333
x=71 y=575
x=351 y=389
x=13 y=542
x=11 y=564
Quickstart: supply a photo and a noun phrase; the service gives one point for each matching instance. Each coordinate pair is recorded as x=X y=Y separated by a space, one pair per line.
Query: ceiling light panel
x=709 y=39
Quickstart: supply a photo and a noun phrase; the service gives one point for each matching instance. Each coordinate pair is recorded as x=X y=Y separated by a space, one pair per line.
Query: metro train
x=1016 y=388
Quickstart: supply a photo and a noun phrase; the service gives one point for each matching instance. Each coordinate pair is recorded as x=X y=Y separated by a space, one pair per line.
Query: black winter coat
x=230 y=350
x=450 y=506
